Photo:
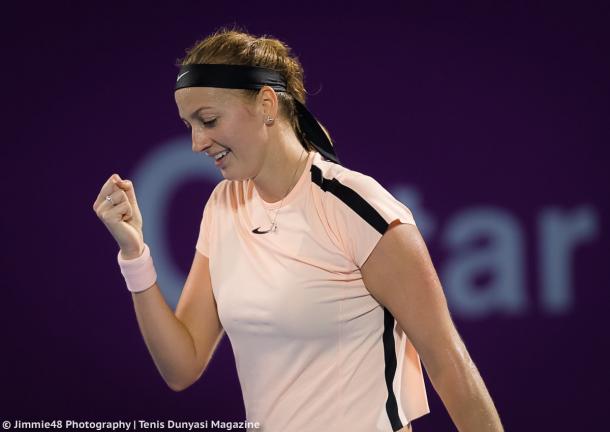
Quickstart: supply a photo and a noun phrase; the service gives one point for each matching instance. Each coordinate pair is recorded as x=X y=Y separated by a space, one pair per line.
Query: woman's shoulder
x=217 y=194
x=342 y=182
x=226 y=188
x=357 y=208
x=231 y=194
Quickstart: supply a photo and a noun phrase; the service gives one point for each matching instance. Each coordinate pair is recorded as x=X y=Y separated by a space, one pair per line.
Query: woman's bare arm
x=181 y=344
x=400 y=275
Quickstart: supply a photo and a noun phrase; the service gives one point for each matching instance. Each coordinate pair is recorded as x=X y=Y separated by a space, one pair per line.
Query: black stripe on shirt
x=350 y=198
x=367 y=212
x=389 y=353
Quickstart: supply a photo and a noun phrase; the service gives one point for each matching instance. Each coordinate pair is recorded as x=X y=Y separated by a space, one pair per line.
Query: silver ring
x=109 y=198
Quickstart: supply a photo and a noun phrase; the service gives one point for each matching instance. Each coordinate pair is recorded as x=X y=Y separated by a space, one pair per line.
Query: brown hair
x=234 y=46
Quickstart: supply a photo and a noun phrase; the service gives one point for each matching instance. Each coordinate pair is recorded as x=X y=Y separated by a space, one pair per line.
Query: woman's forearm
x=168 y=340
x=466 y=398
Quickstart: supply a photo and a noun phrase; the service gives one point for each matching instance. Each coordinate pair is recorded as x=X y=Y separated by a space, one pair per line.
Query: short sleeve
x=205 y=228
x=360 y=211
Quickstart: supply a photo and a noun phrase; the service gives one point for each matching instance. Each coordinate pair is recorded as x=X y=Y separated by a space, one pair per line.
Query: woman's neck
x=281 y=171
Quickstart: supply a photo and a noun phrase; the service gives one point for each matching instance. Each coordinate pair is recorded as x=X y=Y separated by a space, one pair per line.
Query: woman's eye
x=209 y=123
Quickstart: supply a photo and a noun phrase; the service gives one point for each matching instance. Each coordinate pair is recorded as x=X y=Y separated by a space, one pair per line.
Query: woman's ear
x=267 y=100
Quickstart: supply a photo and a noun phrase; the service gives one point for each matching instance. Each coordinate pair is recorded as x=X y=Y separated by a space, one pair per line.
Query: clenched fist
x=117 y=207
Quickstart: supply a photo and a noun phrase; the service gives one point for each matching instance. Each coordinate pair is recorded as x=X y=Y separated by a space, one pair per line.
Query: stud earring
x=268 y=120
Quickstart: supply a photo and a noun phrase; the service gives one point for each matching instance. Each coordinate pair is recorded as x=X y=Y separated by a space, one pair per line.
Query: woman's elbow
x=178 y=387
x=183 y=385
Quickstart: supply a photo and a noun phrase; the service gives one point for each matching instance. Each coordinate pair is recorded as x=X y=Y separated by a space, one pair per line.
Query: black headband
x=254 y=78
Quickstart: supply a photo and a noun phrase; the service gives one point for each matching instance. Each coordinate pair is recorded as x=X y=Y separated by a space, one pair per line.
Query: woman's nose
x=201 y=141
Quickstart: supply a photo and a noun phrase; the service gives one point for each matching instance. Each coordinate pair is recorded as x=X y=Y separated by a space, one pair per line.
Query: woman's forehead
x=191 y=100
x=209 y=96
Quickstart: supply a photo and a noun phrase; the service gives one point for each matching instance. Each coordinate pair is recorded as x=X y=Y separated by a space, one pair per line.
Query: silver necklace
x=273 y=228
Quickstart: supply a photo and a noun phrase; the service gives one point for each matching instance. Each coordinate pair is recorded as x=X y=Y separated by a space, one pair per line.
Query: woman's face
x=222 y=119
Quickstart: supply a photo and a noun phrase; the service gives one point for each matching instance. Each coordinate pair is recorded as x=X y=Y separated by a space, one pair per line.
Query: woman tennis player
x=317 y=274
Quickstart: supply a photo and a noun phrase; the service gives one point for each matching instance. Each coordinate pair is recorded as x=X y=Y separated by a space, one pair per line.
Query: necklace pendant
x=273 y=227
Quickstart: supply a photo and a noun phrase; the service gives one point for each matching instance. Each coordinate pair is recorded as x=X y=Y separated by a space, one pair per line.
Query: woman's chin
x=228 y=175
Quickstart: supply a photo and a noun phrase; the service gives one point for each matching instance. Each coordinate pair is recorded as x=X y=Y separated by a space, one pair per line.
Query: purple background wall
x=490 y=122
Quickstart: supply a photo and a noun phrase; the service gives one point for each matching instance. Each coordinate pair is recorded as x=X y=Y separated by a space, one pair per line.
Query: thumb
x=127 y=187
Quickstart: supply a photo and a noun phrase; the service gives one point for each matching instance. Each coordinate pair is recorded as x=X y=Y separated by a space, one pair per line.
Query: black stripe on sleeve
x=350 y=198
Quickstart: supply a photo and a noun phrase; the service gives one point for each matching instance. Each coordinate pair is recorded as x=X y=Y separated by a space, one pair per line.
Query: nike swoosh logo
x=181 y=75
x=258 y=231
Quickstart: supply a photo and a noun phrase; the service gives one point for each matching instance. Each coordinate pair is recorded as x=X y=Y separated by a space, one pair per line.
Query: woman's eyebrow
x=196 y=113
x=200 y=109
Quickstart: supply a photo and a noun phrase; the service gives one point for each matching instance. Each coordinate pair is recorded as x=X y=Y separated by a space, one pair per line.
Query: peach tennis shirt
x=314 y=350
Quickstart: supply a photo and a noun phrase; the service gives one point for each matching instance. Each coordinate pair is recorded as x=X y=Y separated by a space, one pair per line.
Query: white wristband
x=139 y=273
